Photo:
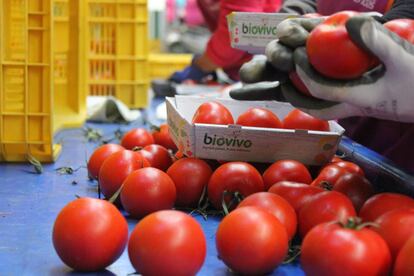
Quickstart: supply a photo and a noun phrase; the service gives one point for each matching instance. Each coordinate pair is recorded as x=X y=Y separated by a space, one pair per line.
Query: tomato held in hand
x=167 y=243
x=277 y=206
x=404 y=264
x=162 y=137
x=403 y=27
x=251 y=241
x=116 y=169
x=379 y=204
x=213 y=113
x=137 y=137
x=396 y=227
x=332 y=52
x=89 y=234
x=259 y=117
x=233 y=177
x=146 y=191
x=190 y=176
x=324 y=207
x=335 y=249
x=286 y=170
x=157 y=156
x=99 y=156
x=297 y=119
x=296 y=194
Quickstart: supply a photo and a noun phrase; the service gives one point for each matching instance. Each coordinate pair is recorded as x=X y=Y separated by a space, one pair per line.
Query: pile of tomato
x=342 y=224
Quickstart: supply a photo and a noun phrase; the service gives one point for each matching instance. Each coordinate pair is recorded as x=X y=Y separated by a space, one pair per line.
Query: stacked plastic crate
x=35 y=90
x=117 y=50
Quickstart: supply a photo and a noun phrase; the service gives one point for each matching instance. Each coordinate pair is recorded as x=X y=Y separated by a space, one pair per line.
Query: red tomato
x=328 y=176
x=404 y=264
x=251 y=241
x=290 y=170
x=298 y=83
x=137 y=137
x=146 y=191
x=233 y=177
x=190 y=176
x=116 y=168
x=89 y=234
x=403 y=27
x=99 y=156
x=332 y=52
x=213 y=113
x=396 y=227
x=350 y=167
x=336 y=159
x=277 y=206
x=259 y=117
x=324 y=207
x=297 y=119
x=295 y=193
x=356 y=187
x=167 y=243
x=162 y=137
x=157 y=156
x=379 y=204
x=332 y=249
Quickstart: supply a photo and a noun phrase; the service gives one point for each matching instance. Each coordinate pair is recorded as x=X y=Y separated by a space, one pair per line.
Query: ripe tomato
x=147 y=190
x=99 y=156
x=379 y=204
x=290 y=170
x=233 y=177
x=297 y=119
x=396 y=227
x=356 y=187
x=403 y=27
x=167 y=243
x=324 y=207
x=137 y=137
x=259 y=117
x=277 y=206
x=157 y=156
x=298 y=83
x=162 y=137
x=89 y=234
x=116 y=168
x=295 y=193
x=350 y=167
x=332 y=249
x=328 y=176
x=332 y=52
x=251 y=241
x=213 y=113
x=404 y=264
x=190 y=176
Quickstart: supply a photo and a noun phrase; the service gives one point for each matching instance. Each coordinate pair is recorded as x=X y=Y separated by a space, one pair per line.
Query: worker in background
x=379 y=106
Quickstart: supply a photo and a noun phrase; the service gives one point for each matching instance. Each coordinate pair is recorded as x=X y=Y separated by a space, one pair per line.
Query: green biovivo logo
x=226 y=141
x=258 y=29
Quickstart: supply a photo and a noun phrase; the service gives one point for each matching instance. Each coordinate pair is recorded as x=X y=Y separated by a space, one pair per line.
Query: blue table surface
x=29 y=204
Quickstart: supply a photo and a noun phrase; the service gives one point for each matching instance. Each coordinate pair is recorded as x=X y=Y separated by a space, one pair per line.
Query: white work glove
x=386 y=92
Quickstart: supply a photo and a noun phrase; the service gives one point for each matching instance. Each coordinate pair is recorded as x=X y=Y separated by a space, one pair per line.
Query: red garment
x=219 y=49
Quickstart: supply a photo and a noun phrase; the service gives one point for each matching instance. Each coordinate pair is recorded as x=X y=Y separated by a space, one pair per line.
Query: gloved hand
x=277 y=63
x=191 y=72
x=386 y=92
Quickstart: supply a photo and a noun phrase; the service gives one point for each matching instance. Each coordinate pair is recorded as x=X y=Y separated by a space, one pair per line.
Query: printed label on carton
x=251 y=32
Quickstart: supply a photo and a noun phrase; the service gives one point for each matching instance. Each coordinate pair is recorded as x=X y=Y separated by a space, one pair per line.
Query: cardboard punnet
x=237 y=143
x=252 y=31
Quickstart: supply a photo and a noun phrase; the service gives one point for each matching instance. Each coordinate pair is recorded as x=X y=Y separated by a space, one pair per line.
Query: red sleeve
x=219 y=49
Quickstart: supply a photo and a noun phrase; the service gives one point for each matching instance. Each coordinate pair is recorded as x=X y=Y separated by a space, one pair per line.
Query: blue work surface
x=29 y=204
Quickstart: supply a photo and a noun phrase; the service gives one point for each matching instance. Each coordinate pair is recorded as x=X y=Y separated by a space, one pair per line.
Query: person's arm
x=400 y=9
x=298 y=6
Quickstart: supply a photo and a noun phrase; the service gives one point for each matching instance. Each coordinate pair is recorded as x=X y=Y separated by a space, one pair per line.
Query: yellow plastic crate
x=117 y=50
x=35 y=99
x=163 y=65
